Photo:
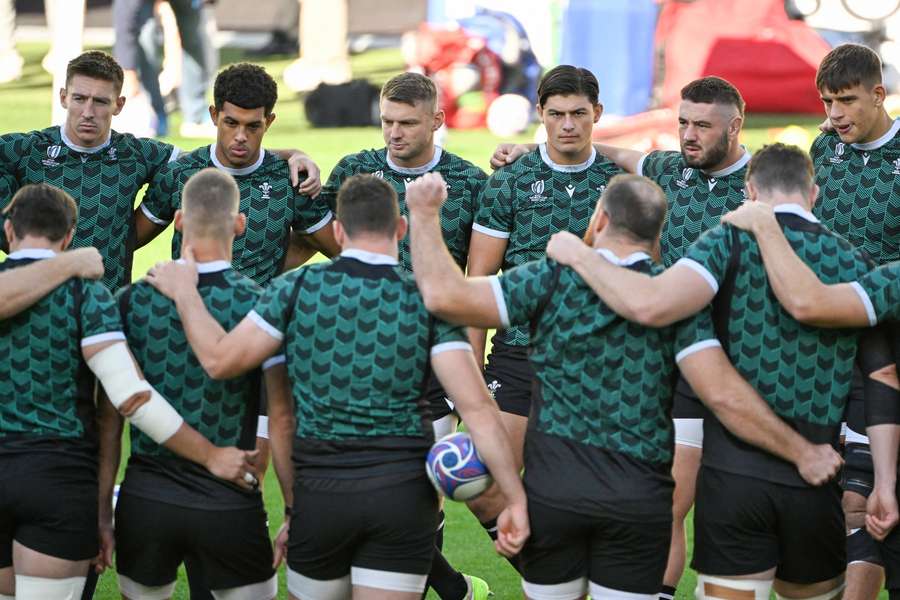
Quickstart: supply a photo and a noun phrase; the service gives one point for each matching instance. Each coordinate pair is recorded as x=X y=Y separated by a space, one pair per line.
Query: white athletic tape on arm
x=115 y=369
x=262 y=427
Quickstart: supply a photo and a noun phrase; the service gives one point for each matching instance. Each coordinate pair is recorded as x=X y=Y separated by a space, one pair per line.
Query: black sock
x=667 y=592
x=446 y=581
x=491 y=528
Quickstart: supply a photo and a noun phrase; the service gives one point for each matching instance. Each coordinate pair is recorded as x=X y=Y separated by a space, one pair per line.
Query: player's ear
x=752 y=191
x=598 y=111
x=734 y=128
x=269 y=118
x=879 y=93
x=119 y=105
x=179 y=220
x=439 y=117
x=240 y=224
x=402 y=227
x=68 y=239
x=214 y=114
x=62 y=98
x=9 y=231
x=540 y=111
x=340 y=236
x=813 y=195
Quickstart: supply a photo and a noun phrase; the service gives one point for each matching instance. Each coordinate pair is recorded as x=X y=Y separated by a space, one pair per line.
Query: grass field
x=25 y=105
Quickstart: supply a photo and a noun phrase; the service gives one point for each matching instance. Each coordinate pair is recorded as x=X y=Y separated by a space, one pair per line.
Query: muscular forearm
x=492 y=441
x=26 y=285
x=625 y=158
x=884 y=442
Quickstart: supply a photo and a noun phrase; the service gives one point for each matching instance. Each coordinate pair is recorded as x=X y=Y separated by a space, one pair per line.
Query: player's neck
x=776 y=198
x=420 y=160
x=882 y=126
x=569 y=158
x=735 y=153
x=619 y=245
x=30 y=242
x=208 y=250
x=373 y=246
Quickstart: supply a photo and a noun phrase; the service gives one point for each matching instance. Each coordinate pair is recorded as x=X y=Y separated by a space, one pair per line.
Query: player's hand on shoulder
x=85 y=262
x=819 y=464
x=305 y=174
x=234 y=465
x=513 y=529
x=426 y=194
x=882 y=513
x=565 y=248
x=508 y=153
x=173 y=276
x=750 y=216
x=826 y=126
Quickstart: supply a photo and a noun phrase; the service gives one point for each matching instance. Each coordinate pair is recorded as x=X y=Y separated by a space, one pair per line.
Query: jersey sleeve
x=653 y=164
x=163 y=195
x=341 y=171
x=100 y=317
x=879 y=291
x=494 y=208
x=709 y=255
x=310 y=215
x=521 y=291
x=448 y=337
x=694 y=334
x=156 y=155
x=272 y=310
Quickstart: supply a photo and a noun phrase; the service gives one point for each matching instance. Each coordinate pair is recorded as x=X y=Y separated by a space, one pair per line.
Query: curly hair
x=245 y=85
x=96 y=65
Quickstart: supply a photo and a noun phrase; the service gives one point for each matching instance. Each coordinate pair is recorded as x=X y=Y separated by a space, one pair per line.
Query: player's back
x=104 y=182
x=46 y=386
x=804 y=373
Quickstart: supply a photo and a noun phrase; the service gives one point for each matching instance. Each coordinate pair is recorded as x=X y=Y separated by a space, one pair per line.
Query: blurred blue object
x=614 y=39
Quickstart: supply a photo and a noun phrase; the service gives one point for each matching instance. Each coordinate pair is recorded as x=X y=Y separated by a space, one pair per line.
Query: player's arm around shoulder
x=24 y=286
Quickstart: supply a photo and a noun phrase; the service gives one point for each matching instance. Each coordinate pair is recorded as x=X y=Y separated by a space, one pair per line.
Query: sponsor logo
x=711 y=183
x=266 y=189
x=866 y=156
x=570 y=189
x=537 y=191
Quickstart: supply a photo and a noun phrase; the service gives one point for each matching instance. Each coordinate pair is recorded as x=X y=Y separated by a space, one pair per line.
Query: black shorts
x=629 y=556
x=436 y=397
x=744 y=525
x=230 y=547
x=509 y=377
x=858 y=474
x=48 y=503
x=384 y=529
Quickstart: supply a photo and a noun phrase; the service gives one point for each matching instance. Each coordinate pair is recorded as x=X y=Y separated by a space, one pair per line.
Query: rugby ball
x=455 y=468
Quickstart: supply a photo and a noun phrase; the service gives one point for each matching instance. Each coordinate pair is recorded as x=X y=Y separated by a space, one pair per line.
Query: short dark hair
x=209 y=201
x=42 y=210
x=245 y=85
x=846 y=66
x=367 y=204
x=636 y=206
x=713 y=90
x=410 y=88
x=96 y=65
x=781 y=167
x=566 y=80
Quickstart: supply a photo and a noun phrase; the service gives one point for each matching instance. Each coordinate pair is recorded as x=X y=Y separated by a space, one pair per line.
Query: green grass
x=25 y=105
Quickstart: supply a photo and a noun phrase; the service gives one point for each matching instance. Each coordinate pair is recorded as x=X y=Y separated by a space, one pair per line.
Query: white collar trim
x=622 y=262
x=32 y=253
x=874 y=145
x=86 y=150
x=567 y=168
x=795 y=209
x=232 y=171
x=737 y=166
x=371 y=258
x=213 y=266
x=438 y=152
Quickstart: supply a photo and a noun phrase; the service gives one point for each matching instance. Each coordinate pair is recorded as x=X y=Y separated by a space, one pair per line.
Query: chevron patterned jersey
x=605 y=382
x=882 y=287
x=859 y=192
x=697 y=200
x=530 y=200
x=464 y=183
x=804 y=373
x=46 y=386
x=357 y=341
x=104 y=184
x=272 y=206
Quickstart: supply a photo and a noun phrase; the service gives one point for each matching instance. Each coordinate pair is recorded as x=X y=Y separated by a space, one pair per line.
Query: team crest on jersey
x=838 y=153
x=266 y=187
x=896 y=164
x=111 y=155
x=537 y=191
x=52 y=154
x=493 y=387
x=685 y=175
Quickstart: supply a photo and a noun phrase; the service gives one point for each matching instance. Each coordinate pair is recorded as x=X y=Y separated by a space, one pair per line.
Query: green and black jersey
x=464 y=183
x=46 y=388
x=600 y=436
x=804 y=373
x=358 y=340
x=273 y=209
x=533 y=198
x=223 y=411
x=104 y=182
x=859 y=191
x=697 y=199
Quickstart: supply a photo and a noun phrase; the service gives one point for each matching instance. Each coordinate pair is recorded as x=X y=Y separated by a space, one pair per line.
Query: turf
x=25 y=105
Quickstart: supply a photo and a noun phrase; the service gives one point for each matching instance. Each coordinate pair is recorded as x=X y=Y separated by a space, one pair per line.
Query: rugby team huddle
x=674 y=329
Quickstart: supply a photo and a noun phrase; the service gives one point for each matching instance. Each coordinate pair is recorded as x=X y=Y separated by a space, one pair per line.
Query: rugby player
x=168 y=508
x=29 y=284
x=410 y=116
x=599 y=442
x=553 y=188
x=755 y=520
x=856 y=166
x=102 y=169
x=244 y=98
x=357 y=339
x=56 y=497
x=702 y=182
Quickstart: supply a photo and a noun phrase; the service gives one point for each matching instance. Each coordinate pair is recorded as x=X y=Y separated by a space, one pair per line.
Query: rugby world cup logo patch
x=379 y=174
x=838 y=153
x=52 y=154
x=686 y=174
x=896 y=170
x=537 y=191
